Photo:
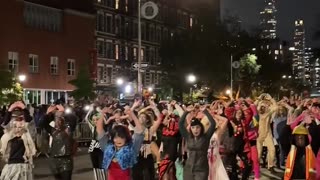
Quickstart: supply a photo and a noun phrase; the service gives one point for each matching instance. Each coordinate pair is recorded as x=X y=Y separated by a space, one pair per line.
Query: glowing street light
x=68 y=110
x=128 y=89
x=228 y=92
x=191 y=78
x=87 y=108
x=22 y=77
x=150 y=89
x=284 y=77
x=120 y=81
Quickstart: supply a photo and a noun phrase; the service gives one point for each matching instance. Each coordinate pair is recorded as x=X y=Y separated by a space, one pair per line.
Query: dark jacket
x=197 y=147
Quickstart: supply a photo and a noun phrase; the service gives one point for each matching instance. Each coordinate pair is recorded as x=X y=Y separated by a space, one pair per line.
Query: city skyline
x=287 y=12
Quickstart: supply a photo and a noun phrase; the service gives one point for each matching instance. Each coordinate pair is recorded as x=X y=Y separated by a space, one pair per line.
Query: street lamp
x=228 y=92
x=120 y=81
x=22 y=77
x=127 y=89
x=150 y=89
x=191 y=78
x=284 y=77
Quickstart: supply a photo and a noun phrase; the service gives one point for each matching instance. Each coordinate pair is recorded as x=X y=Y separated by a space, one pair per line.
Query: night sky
x=288 y=11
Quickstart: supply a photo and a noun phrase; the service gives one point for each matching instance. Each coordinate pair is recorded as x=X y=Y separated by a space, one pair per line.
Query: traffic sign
x=143 y=65
x=236 y=64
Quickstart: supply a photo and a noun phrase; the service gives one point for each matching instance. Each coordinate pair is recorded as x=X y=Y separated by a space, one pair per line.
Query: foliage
x=246 y=74
x=10 y=89
x=84 y=86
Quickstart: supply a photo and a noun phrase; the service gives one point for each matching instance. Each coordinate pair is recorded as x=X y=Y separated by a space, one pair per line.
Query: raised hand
x=51 y=109
x=60 y=108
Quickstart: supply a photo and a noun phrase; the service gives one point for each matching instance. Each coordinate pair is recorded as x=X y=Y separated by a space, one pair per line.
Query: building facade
x=268 y=20
x=47 y=41
x=298 y=61
x=117 y=39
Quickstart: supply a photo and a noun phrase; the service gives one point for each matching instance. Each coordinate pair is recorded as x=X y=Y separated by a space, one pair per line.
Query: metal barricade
x=83 y=134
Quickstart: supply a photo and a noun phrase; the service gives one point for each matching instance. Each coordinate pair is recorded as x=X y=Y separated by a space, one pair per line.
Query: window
x=142 y=54
x=109 y=23
x=54 y=64
x=117 y=4
x=13 y=61
x=126 y=49
x=109 y=50
x=100 y=45
x=126 y=6
x=100 y=21
x=33 y=63
x=42 y=17
x=135 y=54
x=117 y=52
x=71 y=67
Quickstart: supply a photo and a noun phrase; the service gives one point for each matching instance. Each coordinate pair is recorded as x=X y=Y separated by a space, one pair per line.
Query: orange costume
x=309 y=158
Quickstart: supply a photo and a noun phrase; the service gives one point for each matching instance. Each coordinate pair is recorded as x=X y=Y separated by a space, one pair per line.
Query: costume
x=17 y=149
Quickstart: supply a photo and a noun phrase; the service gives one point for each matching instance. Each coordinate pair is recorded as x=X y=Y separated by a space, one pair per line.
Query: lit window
x=117 y=4
x=126 y=53
x=126 y=6
x=71 y=67
x=117 y=52
x=142 y=54
x=276 y=52
x=13 y=61
x=191 y=22
x=33 y=63
x=134 y=54
x=54 y=64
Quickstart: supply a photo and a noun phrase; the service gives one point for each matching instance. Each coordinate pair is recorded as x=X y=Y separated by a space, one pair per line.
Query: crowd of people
x=166 y=140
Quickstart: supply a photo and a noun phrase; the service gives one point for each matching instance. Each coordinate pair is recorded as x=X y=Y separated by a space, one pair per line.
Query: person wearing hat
x=17 y=146
x=301 y=159
x=197 y=140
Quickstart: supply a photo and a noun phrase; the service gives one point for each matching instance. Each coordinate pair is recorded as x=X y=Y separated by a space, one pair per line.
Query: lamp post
x=139 y=48
x=191 y=79
x=22 y=78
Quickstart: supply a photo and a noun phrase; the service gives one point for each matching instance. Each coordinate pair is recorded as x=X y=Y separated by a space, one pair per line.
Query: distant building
x=116 y=38
x=268 y=20
x=299 y=63
x=47 y=41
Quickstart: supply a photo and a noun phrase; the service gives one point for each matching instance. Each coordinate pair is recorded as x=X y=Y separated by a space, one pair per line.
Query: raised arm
x=212 y=126
x=182 y=128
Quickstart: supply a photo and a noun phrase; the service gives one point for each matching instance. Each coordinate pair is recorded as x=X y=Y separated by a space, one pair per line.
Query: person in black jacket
x=197 y=167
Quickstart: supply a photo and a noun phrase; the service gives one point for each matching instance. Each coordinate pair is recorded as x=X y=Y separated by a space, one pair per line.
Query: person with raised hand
x=120 y=150
x=62 y=147
x=196 y=166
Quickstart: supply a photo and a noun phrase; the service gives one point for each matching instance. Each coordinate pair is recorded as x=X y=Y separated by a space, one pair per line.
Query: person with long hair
x=144 y=169
x=17 y=146
x=197 y=140
x=95 y=151
x=120 y=150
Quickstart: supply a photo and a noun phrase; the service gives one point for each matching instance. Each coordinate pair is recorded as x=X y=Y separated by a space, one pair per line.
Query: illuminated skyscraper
x=298 y=62
x=268 y=20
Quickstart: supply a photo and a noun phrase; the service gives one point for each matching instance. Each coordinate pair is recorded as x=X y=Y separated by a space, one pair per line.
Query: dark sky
x=288 y=11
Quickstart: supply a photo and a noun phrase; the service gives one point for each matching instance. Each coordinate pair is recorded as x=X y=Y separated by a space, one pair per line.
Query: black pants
x=65 y=175
x=231 y=163
x=144 y=169
x=96 y=158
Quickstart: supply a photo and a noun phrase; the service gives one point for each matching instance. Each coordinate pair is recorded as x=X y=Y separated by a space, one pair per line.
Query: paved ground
x=83 y=171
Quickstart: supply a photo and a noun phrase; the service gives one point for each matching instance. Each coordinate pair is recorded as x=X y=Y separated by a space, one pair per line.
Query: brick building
x=48 y=41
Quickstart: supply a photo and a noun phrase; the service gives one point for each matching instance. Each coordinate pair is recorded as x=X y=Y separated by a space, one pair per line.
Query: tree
x=247 y=73
x=10 y=89
x=84 y=86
